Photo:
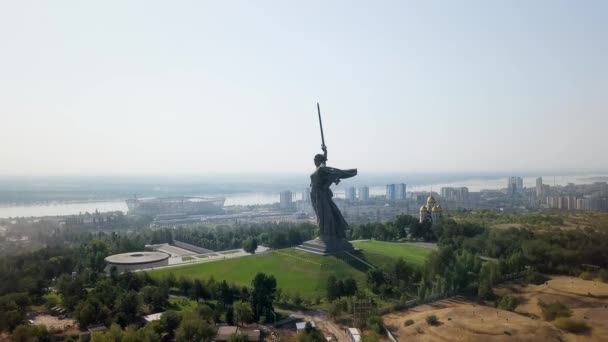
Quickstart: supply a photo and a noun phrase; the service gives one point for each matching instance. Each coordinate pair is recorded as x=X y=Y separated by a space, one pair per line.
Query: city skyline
x=118 y=88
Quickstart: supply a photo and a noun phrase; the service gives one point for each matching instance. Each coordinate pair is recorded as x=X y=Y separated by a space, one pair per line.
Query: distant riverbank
x=57 y=208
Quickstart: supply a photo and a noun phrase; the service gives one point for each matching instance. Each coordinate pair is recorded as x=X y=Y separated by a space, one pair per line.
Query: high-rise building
x=515 y=185
x=286 y=199
x=390 y=192
x=306 y=195
x=351 y=193
x=456 y=194
x=539 y=187
x=400 y=193
x=364 y=193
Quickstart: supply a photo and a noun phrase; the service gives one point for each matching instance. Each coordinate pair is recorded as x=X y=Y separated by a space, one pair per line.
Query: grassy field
x=412 y=254
x=298 y=271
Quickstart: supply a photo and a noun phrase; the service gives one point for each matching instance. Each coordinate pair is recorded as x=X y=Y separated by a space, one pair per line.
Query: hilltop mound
x=295 y=270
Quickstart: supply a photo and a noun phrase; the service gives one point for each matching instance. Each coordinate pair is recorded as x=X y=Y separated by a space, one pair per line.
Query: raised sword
x=321 y=126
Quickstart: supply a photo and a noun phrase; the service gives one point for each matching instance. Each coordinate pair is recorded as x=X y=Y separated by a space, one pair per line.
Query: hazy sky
x=231 y=86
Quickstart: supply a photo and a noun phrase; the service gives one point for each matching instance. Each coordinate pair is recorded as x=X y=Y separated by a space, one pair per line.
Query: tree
x=250 y=245
x=278 y=240
x=350 y=287
x=128 y=308
x=13 y=309
x=294 y=237
x=198 y=290
x=375 y=279
x=156 y=297
x=113 y=334
x=169 y=321
x=185 y=285
x=149 y=333
x=205 y=312
x=333 y=291
x=488 y=276
x=401 y=270
x=335 y=310
x=130 y=335
x=230 y=315
x=72 y=291
x=192 y=329
x=91 y=311
x=170 y=280
x=23 y=333
x=226 y=295
x=262 y=296
x=31 y=333
x=375 y=324
x=242 y=313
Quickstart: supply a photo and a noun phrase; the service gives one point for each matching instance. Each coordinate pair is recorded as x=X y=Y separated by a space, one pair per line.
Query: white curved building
x=127 y=262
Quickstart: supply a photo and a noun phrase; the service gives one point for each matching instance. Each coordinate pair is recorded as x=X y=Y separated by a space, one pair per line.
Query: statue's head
x=319 y=159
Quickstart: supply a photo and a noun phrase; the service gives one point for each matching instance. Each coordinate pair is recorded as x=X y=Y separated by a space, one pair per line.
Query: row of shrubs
x=602 y=275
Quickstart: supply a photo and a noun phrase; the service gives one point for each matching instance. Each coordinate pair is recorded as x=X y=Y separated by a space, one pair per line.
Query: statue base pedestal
x=326 y=246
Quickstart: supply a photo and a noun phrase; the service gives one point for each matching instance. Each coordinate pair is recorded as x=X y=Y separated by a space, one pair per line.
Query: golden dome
x=437 y=208
x=424 y=208
x=431 y=200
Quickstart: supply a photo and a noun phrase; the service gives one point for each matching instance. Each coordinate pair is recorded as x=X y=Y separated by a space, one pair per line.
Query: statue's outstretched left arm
x=338 y=174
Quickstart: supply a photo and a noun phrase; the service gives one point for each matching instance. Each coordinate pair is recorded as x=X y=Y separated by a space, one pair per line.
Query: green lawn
x=298 y=271
x=412 y=254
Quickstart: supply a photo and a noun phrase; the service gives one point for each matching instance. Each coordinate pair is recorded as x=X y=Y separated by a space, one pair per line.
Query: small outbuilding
x=354 y=334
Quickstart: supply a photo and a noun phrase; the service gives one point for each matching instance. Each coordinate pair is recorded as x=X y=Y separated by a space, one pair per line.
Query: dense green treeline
x=120 y=300
x=274 y=235
x=457 y=264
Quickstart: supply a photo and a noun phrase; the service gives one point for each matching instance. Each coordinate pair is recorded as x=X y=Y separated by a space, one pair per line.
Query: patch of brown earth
x=588 y=301
x=462 y=320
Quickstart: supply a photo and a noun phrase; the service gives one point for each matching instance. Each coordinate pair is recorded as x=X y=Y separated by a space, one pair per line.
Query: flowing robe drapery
x=331 y=222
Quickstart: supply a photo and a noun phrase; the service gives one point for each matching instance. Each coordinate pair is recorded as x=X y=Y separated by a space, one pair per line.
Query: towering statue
x=331 y=222
x=332 y=225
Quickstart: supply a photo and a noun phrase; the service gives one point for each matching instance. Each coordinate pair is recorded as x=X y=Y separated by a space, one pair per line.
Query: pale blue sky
x=231 y=86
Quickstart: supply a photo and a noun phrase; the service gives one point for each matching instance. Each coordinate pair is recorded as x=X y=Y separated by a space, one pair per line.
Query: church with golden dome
x=431 y=211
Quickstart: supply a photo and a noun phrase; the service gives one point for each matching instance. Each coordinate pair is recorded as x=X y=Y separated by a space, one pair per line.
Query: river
x=253 y=198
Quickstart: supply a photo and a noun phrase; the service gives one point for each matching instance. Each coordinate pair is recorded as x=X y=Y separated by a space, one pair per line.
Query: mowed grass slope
x=414 y=255
x=298 y=271
x=295 y=271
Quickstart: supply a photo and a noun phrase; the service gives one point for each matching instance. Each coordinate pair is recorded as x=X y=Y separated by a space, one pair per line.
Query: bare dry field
x=462 y=320
x=507 y=225
x=54 y=323
x=588 y=301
